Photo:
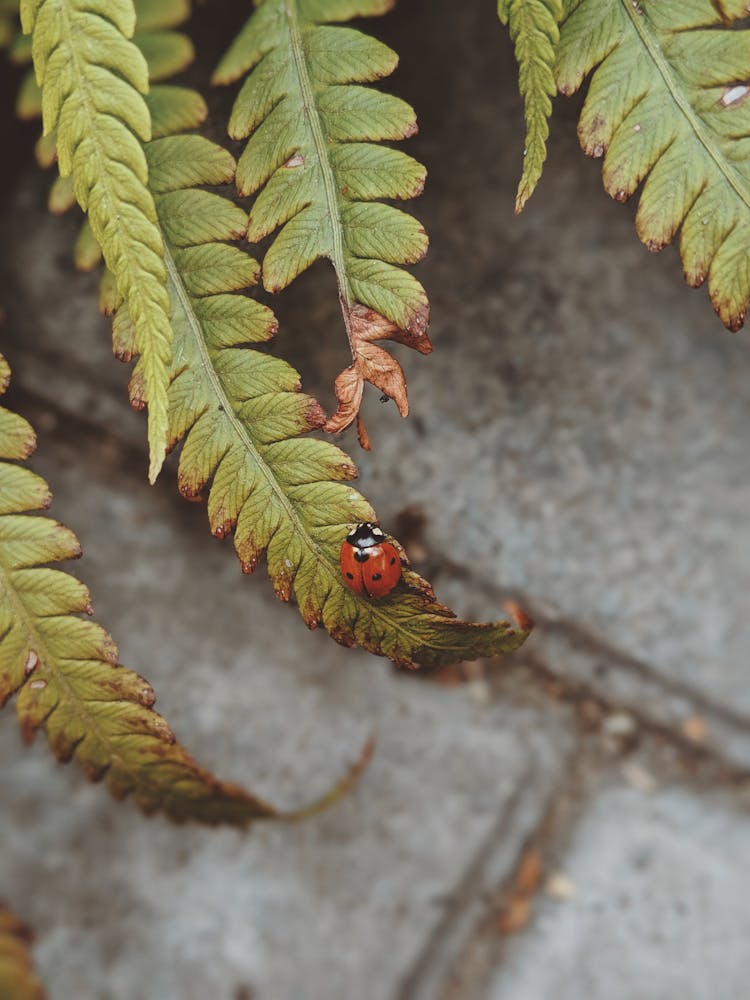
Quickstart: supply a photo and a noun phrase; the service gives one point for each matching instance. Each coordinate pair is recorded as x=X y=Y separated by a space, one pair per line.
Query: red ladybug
x=370 y=565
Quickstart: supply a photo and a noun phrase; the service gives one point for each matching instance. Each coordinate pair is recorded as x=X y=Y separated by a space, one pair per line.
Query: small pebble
x=638 y=777
x=695 y=729
x=560 y=887
x=620 y=724
x=619 y=732
x=478 y=691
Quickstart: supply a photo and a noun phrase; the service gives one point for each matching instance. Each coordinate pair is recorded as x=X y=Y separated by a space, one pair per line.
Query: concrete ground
x=568 y=822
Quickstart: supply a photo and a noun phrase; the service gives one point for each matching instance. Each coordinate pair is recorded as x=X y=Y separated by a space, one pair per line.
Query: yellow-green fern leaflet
x=93 y=79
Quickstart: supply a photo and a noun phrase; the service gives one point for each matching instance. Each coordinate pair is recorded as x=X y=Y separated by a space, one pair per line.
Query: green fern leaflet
x=93 y=79
x=667 y=108
x=535 y=34
x=243 y=418
x=312 y=154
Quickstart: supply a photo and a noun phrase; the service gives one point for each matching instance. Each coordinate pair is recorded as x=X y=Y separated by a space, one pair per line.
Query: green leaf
x=18 y=981
x=535 y=34
x=154 y=15
x=45 y=150
x=312 y=156
x=243 y=420
x=29 y=98
x=667 y=108
x=93 y=80
x=20 y=50
x=65 y=673
x=87 y=253
x=62 y=196
x=174 y=109
x=165 y=52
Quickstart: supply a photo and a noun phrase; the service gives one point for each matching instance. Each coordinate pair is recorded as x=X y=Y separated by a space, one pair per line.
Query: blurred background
x=568 y=822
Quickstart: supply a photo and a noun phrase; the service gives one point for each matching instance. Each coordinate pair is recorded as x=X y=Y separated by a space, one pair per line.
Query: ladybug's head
x=365 y=536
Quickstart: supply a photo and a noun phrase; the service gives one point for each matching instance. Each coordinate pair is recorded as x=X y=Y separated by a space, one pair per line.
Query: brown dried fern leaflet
x=371 y=364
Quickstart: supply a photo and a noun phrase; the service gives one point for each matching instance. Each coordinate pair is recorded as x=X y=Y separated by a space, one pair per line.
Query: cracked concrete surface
x=576 y=440
x=655 y=911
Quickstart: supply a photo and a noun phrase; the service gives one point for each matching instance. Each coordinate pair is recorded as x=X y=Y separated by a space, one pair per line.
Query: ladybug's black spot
x=350 y=576
x=377 y=576
x=393 y=560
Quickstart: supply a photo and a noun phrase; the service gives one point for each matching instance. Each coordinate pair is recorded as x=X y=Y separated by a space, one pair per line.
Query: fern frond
x=242 y=418
x=93 y=79
x=667 y=108
x=535 y=34
x=18 y=981
x=312 y=151
x=64 y=669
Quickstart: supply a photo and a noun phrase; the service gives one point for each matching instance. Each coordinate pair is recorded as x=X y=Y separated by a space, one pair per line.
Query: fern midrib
x=652 y=46
x=416 y=639
x=330 y=186
x=149 y=349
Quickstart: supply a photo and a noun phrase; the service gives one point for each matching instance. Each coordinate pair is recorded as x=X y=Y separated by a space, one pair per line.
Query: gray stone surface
x=660 y=909
x=337 y=907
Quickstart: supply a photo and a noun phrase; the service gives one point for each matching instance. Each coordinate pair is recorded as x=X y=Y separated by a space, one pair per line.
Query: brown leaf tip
x=522 y=621
x=315 y=414
x=373 y=364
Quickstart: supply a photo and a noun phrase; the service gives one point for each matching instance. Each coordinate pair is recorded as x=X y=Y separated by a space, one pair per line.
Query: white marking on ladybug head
x=364 y=536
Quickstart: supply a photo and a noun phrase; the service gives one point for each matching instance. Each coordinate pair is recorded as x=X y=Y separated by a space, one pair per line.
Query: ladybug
x=370 y=565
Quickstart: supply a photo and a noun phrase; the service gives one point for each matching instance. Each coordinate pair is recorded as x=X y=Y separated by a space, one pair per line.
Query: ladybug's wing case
x=382 y=571
x=351 y=569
